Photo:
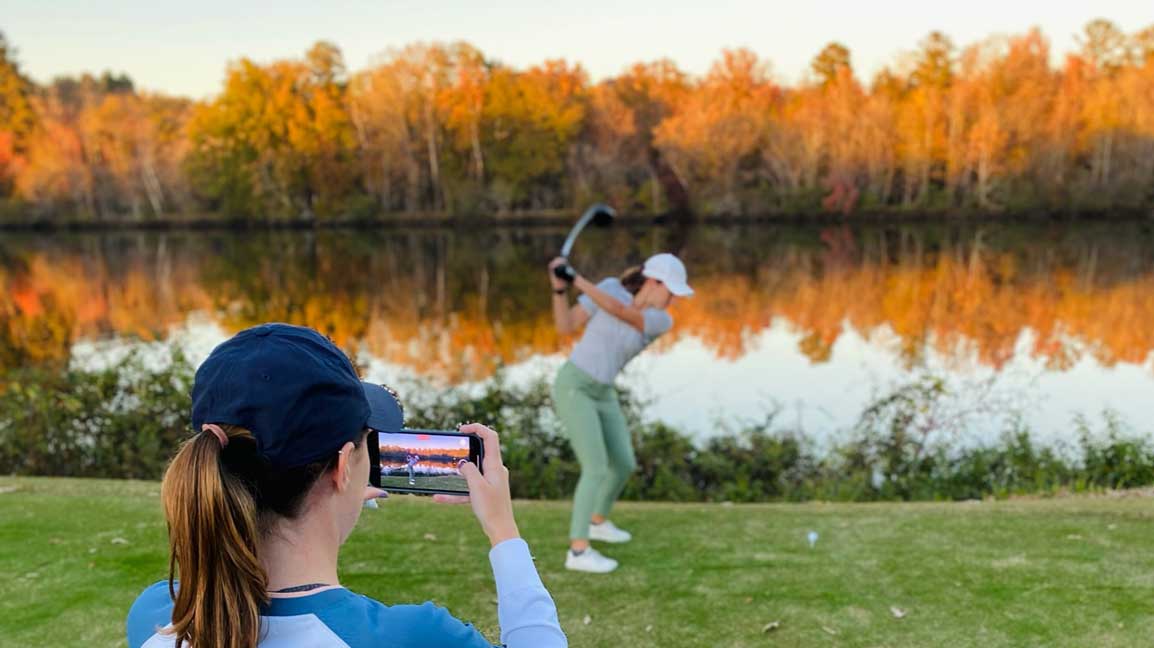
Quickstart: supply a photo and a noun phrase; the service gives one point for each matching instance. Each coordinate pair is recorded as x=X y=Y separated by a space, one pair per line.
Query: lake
x=1037 y=322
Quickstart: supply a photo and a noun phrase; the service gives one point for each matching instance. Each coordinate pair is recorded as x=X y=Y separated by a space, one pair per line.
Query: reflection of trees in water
x=456 y=303
x=423 y=454
x=438 y=463
x=63 y=288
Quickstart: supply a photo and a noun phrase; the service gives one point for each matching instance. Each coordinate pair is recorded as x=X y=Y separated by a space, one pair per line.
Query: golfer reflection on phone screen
x=423 y=461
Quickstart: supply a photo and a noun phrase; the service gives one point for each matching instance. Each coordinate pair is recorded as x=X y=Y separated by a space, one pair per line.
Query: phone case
x=421 y=474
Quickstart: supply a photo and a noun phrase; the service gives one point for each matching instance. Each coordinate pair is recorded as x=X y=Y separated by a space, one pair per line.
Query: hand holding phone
x=422 y=461
x=455 y=466
x=489 y=491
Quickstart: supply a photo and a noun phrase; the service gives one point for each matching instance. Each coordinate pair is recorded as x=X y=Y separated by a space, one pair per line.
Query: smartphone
x=422 y=461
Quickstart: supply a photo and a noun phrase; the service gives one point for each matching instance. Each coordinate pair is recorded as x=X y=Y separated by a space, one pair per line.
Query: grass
x=1052 y=572
x=433 y=482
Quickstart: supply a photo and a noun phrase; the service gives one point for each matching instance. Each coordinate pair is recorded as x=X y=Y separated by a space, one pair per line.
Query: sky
x=184 y=48
x=426 y=441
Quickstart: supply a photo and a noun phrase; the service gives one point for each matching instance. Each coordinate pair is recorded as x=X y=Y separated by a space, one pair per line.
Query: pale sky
x=183 y=48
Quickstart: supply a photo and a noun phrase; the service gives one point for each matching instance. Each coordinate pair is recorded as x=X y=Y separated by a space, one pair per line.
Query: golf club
x=599 y=214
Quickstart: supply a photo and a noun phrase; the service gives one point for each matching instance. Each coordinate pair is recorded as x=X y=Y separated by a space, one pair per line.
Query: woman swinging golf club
x=411 y=461
x=621 y=317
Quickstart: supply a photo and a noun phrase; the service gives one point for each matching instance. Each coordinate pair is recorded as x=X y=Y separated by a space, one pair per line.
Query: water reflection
x=455 y=304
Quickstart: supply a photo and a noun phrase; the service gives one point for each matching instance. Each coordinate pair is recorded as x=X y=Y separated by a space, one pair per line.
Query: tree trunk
x=676 y=194
x=152 y=188
x=385 y=191
x=478 y=158
x=984 y=181
x=654 y=192
x=1107 y=154
x=434 y=159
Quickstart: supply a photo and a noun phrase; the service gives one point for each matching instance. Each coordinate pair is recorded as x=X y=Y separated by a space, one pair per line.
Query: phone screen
x=424 y=461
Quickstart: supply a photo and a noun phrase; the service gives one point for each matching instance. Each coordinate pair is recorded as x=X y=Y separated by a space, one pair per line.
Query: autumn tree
x=1104 y=45
x=17 y=116
x=278 y=140
x=102 y=151
x=922 y=123
x=716 y=141
x=530 y=124
x=1142 y=47
x=419 y=114
x=621 y=151
x=439 y=128
x=830 y=63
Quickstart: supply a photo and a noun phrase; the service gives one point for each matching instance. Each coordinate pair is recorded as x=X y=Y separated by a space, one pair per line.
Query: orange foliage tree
x=440 y=128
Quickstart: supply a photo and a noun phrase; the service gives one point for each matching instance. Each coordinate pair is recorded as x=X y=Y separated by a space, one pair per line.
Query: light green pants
x=591 y=414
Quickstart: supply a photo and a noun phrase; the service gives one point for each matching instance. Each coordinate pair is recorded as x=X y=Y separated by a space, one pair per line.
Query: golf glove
x=565 y=272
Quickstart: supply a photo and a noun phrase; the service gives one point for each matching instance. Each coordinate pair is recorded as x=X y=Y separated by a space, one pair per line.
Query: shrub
x=126 y=420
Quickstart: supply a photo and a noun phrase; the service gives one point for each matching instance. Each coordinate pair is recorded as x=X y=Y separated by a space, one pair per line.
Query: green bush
x=127 y=420
x=1118 y=462
x=123 y=421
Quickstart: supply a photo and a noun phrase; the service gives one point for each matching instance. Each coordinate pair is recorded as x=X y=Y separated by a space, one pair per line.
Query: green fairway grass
x=436 y=482
x=1052 y=572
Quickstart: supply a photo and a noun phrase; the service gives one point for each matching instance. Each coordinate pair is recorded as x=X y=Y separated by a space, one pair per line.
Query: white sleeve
x=526 y=612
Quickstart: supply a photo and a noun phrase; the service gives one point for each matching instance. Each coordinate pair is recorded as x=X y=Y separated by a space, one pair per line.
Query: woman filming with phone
x=621 y=317
x=259 y=501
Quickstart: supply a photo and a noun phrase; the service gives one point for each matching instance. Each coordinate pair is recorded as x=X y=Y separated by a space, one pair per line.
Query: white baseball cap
x=670 y=271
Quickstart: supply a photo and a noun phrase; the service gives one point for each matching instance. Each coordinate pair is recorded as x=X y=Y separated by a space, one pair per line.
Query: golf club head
x=603 y=215
x=599 y=214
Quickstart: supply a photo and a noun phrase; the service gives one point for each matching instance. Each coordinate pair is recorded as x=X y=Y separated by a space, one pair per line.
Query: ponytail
x=213 y=530
x=220 y=497
x=633 y=279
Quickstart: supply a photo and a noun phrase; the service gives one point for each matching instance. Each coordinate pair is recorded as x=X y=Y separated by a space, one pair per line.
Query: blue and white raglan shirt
x=340 y=618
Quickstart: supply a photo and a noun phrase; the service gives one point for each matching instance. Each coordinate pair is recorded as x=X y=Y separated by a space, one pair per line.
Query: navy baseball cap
x=292 y=388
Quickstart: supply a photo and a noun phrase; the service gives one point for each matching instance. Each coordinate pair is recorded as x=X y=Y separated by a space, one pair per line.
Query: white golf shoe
x=608 y=532
x=590 y=561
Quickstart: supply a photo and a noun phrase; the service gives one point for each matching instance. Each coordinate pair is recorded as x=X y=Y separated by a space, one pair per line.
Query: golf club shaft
x=585 y=219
